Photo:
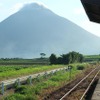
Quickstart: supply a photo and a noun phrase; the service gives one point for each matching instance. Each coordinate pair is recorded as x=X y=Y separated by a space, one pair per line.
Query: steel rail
x=77 y=84
x=89 y=85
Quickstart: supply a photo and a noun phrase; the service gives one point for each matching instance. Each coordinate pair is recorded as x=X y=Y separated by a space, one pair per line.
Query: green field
x=20 y=61
x=12 y=71
x=91 y=58
x=43 y=86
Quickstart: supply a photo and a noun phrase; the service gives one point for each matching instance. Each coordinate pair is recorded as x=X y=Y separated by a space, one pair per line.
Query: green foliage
x=15 y=97
x=22 y=90
x=59 y=60
x=91 y=58
x=18 y=96
x=42 y=55
x=30 y=97
x=17 y=61
x=80 y=67
x=53 y=59
x=11 y=68
x=71 y=57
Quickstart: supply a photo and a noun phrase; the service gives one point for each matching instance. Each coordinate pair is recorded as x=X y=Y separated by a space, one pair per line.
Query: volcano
x=35 y=29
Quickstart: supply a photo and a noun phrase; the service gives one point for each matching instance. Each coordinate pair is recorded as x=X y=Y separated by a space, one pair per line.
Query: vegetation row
x=7 y=72
x=71 y=57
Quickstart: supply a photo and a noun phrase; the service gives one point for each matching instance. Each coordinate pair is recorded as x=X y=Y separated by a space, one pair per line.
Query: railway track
x=77 y=89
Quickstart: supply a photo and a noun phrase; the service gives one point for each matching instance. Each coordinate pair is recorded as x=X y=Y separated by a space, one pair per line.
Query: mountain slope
x=35 y=29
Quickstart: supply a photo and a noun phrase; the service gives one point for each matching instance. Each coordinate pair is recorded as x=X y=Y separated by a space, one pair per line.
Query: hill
x=35 y=29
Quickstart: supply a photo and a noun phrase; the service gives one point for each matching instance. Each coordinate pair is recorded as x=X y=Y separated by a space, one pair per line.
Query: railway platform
x=96 y=94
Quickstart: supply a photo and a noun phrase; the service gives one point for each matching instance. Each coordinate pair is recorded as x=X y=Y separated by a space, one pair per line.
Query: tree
x=53 y=59
x=81 y=58
x=67 y=58
x=42 y=55
x=71 y=57
x=59 y=60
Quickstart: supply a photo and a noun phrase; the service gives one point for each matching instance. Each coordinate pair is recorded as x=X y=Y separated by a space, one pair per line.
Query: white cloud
x=82 y=20
x=17 y=7
x=78 y=11
x=1 y=4
x=38 y=2
x=91 y=27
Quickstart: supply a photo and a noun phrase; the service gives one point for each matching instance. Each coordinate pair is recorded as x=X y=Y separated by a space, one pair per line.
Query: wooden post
x=30 y=80
x=51 y=72
x=18 y=82
x=2 y=88
x=63 y=70
x=45 y=74
x=56 y=72
x=37 y=78
x=66 y=69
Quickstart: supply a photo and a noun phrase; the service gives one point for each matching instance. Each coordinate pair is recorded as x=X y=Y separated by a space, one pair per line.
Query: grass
x=92 y=58
x=24 y=61
x=43 y=87
x=7 y=72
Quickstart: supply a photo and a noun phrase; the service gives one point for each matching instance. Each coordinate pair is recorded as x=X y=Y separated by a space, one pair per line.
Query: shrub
x=22 y=90
x=80 y=67
x=18 y=96
x=15 y=97
x=30 y=97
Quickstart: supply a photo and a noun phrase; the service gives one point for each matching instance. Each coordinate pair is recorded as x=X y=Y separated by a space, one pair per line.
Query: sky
x=69 y=9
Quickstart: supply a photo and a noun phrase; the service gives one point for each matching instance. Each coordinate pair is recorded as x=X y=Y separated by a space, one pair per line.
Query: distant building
x=92 y=8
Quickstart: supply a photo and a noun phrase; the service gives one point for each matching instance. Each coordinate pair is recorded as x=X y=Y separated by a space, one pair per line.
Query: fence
x=4 y=85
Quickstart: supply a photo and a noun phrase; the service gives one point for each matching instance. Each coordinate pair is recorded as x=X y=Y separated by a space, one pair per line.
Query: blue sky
x=70 y=9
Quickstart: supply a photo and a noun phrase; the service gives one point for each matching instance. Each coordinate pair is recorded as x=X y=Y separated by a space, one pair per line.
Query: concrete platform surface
x=96 y=94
